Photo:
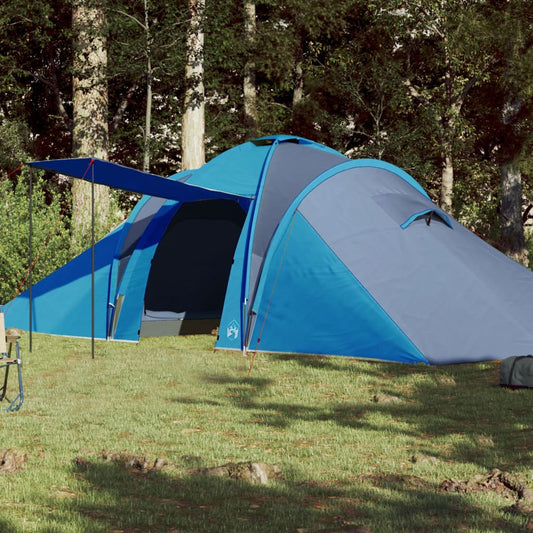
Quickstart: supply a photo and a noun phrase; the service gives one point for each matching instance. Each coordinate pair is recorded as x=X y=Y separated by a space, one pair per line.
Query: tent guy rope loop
x=11 y=173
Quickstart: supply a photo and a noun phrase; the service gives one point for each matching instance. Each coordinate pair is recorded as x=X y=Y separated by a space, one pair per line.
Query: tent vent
x=263 y=142
x=405 y=209
x=428 y=215
x=269 y=142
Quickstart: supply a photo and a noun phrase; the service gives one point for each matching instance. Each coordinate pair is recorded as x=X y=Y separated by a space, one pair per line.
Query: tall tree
x=515 y=78
x=149 y=80
x=249 y=83
x=295 y=38
x=146 y=71
x=90 y=110
x=511 y=191
x=445 y=55
x=193 y=121
x=145 y=24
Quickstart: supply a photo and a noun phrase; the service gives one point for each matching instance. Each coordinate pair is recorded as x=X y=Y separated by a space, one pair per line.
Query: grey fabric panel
x=140 y=223
x=292 y=168
x=455 y=297
x=165 y=328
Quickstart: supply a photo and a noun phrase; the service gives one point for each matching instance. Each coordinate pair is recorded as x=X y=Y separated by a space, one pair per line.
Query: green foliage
x=128 y=53
x=381 y=79
x=477 y=199
x=50 y=236
x=15 y=140
x=35 y=61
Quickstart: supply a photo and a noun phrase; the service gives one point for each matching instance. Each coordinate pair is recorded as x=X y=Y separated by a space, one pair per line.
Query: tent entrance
x=187 y=281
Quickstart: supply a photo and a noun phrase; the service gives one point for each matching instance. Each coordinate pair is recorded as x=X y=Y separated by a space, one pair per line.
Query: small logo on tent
x=232 y=331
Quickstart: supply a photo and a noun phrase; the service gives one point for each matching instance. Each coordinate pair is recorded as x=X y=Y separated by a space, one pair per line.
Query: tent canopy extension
x=289 y=246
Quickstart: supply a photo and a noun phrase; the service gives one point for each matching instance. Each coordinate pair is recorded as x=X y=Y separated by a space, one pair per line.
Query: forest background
x=443 y=89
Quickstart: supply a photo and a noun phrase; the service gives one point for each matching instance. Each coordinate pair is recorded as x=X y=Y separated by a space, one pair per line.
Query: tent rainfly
x=289 y=246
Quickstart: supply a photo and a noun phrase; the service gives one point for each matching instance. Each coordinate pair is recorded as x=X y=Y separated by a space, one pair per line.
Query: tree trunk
x=446 y=188
x=249 y=83
x=149 y=77
x=511 y=213
x=448 y=122
x=90 y=107
x=511 y=221
x=298 y=92
x=193 y=122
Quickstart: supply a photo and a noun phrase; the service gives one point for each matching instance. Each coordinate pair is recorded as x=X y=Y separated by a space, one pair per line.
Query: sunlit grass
x=359 y=443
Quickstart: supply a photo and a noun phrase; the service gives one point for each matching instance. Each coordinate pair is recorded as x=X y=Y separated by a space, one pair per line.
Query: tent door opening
x=190 y=269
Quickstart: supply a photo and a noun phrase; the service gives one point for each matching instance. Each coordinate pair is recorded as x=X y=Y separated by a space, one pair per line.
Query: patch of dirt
x=12 y=461
x=250 y=471
x=384 y=398
x=253 y=472
x=424 y=459
x=509 y=486
x=131 y=461
x=405 y=481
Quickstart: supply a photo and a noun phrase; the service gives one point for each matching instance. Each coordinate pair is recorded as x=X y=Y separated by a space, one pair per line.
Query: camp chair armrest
x=8 y=361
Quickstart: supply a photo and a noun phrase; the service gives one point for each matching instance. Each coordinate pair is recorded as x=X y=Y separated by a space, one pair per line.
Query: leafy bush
x=50 y=234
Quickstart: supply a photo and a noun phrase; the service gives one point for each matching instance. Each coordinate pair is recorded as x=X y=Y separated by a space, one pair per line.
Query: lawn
x=119 y=443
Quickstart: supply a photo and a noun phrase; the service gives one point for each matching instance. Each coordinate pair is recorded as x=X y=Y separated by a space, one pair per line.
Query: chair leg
x=16 y=403
x=3 y=389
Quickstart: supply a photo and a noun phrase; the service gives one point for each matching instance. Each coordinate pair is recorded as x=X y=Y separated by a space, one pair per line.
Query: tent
x=289 y=246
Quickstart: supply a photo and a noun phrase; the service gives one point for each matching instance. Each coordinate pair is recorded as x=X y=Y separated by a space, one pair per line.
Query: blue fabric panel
x=236 y=171
x=311 y=303
x=406 y=183
x=232 y=327
x=62 y=301
x=129 y=179
x=135 y=277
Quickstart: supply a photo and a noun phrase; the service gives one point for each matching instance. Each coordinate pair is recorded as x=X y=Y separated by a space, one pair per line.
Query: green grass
x=346 y=459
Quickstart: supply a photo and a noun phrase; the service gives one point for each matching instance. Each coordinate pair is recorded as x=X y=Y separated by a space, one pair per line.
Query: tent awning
x=129 y=179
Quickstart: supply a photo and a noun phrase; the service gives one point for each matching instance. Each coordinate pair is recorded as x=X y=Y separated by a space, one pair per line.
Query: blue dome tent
x=289 y=246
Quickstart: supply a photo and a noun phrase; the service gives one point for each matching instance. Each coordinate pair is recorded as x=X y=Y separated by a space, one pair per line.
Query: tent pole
x=30 y=258
x=92 y=261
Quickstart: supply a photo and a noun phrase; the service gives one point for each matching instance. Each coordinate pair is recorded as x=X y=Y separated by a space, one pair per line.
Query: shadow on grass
x=7 y=527
x=116 y=499
x=193 y=401
x=312 y=361
x=462 y=407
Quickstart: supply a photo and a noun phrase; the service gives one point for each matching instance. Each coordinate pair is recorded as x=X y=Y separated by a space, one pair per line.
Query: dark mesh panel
x=191 y=266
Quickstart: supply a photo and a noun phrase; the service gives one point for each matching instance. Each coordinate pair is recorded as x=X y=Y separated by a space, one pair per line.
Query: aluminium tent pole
x=30 y=257
x=249 y=290
x=92 y=261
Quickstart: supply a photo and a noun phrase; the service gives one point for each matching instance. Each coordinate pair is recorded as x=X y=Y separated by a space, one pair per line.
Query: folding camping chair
x=7 y=340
